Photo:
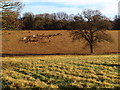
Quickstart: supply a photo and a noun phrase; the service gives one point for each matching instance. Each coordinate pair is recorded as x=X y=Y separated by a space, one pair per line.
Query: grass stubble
x=61 y=71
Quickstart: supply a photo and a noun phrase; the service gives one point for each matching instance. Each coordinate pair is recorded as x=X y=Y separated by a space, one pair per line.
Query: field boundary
x=12 y=55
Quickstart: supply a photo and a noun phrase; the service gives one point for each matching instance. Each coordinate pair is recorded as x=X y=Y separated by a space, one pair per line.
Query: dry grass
x=66 y=71
x=58 y=44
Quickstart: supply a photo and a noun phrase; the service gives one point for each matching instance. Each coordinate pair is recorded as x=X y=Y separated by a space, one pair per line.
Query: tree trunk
x=91 y=48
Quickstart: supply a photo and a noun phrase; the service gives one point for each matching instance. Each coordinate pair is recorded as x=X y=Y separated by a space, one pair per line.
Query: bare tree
x=92 y=28
x=53 y=16
x=11 y=5
x=62 y=16
x=10 y=13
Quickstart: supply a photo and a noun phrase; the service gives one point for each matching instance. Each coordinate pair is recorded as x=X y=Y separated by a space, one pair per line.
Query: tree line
x=46 y=21
x=11 y=19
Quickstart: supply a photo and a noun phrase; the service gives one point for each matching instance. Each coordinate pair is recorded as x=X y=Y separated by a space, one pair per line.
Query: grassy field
x=64 y=71
x=63 y=44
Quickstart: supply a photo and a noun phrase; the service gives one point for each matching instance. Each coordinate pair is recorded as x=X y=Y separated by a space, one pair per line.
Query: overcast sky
x=107 y=7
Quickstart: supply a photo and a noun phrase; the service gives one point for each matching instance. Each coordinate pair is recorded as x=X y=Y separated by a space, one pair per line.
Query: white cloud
x=52 y=9
x=107 y=7
x=110 y=10
x=75 y=2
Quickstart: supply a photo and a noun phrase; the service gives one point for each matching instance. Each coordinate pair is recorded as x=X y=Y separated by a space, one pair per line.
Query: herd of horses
x=38 y=38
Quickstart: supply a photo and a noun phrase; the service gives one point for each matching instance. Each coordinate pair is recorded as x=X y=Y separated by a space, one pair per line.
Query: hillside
x=61 y=44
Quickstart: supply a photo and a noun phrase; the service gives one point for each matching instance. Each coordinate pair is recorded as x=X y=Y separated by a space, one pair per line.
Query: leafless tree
x=10 y=13
x=10 y=5
x=92 y=28
x=62 y=16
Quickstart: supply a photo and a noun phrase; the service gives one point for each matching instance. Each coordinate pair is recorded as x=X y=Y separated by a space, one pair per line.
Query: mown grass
x=65 y=71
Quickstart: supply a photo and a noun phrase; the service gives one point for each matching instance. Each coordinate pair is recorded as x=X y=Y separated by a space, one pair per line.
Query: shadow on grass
x=112 y=65
x=67 y=88
x=34 y=54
